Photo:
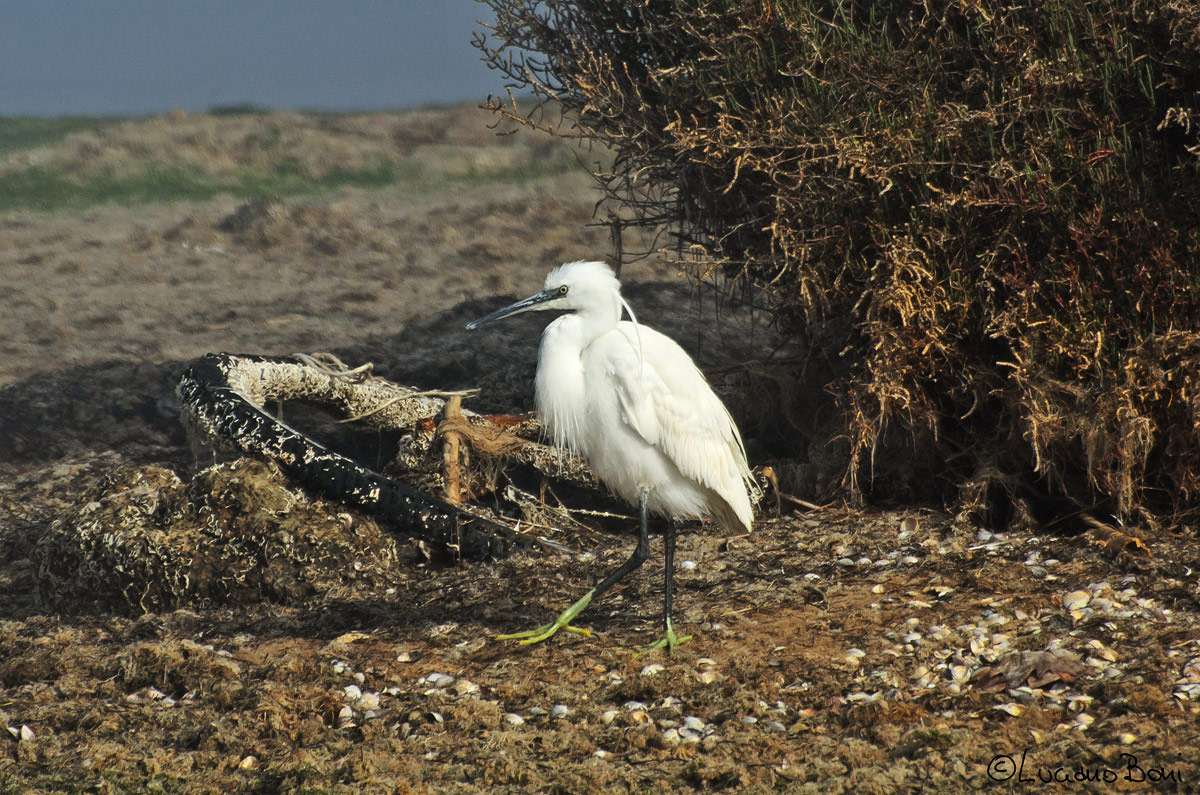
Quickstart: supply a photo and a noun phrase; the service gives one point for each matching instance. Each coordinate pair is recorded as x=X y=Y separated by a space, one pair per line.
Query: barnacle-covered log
x=221 y=397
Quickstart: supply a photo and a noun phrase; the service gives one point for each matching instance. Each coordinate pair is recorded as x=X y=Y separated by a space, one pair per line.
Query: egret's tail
x=733 y=513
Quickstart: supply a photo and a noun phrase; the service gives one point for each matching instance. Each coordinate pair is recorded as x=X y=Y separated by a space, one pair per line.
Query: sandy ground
x=905 y=650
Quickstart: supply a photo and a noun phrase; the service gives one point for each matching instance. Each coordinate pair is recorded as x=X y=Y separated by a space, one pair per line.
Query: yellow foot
x=543 y=632
x=669 y=641
x=563 y=622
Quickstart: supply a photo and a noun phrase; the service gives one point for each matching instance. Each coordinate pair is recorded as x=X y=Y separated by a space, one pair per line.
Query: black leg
x=639 y=554
x=669 y=639
x=669 y=572
x=635 y=560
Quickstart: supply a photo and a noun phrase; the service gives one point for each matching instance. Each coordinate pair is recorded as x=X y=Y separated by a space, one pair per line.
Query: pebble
x=513 y=719
x=652 y=669
x=749 y=720
x=369 y=702
x=352 y=692
x=538 y=712
x=687 y=565
x=693 y=723
x=774 y=726
x=609 y=716
x=671 y=737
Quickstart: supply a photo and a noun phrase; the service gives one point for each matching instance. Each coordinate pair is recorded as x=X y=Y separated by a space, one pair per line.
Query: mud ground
x=904 y=649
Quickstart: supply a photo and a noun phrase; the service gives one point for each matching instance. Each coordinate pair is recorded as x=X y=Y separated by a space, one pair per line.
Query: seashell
x=463 y=687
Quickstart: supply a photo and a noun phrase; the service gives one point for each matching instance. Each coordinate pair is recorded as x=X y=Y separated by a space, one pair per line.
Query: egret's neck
x=560 y=387
x=599 y=315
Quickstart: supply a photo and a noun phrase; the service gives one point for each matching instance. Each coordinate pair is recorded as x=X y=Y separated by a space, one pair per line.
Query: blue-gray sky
x=147 y=56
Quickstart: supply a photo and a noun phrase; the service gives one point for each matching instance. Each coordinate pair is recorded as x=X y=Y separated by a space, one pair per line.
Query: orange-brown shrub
x=983 y=217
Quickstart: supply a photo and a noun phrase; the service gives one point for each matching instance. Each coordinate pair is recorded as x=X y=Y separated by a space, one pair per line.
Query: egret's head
x=575 y=285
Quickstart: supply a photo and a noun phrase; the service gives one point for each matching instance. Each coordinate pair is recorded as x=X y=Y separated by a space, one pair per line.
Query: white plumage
x=633 y=404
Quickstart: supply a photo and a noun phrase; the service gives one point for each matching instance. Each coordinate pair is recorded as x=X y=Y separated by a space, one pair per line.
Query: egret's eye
x=562 y=290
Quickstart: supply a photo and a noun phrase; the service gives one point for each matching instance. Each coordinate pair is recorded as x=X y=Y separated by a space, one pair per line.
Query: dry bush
x=982 y=217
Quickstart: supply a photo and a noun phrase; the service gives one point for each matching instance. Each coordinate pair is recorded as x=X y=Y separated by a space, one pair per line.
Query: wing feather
x=665 y=399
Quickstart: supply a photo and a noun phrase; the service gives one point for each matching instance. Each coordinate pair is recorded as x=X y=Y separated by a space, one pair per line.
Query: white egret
x=634 y=405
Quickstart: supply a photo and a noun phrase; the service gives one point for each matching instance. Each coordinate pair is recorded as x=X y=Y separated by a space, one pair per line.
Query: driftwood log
x=222 y=396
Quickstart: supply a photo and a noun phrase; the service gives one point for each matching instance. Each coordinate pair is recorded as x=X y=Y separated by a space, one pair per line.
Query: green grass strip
x=46 y=189
x=29 y=132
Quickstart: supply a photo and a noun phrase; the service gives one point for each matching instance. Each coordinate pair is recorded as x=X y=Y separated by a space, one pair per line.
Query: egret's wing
x=664 y=398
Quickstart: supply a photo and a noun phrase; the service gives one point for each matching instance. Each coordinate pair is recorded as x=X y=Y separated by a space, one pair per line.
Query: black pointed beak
x=524 y=305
